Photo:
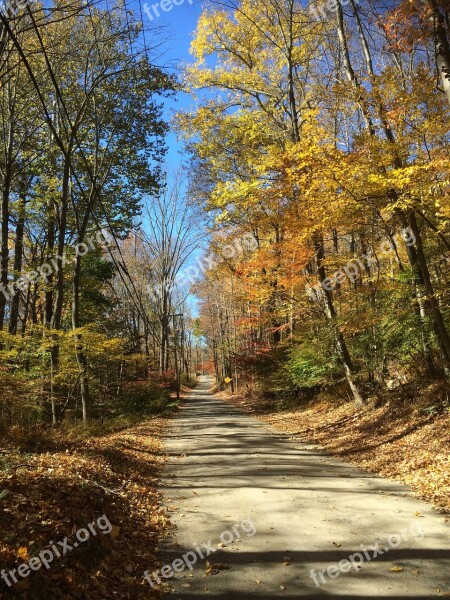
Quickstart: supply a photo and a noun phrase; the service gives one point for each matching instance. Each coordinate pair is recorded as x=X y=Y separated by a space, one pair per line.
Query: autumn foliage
x=327 y=139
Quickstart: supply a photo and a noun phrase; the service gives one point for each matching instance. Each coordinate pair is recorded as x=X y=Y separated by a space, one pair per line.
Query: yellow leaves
x=209 y=23
x=396 y=569
x=23 y=553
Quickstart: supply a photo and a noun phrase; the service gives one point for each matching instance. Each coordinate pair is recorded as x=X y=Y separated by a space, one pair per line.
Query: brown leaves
x=215 y=568
x=392 y=440
x=60 y=492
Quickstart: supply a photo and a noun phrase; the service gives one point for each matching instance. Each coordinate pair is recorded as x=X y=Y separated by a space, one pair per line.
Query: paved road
x=309 y=511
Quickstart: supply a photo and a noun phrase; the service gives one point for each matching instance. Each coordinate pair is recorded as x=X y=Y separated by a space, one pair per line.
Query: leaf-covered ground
x=53 y=493
x=400 y=440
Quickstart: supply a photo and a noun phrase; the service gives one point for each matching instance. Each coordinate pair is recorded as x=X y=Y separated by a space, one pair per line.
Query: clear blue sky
x=179 y=26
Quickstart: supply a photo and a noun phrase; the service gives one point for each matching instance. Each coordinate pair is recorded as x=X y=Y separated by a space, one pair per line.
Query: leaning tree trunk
x=330 y=311
x=438 y=319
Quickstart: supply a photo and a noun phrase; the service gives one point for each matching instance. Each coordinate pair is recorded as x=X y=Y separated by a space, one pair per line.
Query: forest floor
x=401 y=440
x=57 y=484
x=220 y=468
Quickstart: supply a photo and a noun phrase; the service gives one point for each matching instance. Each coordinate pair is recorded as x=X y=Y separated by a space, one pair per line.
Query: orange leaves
x=407 y=23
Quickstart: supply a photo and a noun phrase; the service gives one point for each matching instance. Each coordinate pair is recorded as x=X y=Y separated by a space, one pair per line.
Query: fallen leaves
x=215 y=568
x=69 y=486
x=395 y=440
x=396 y=569
x=23 y=553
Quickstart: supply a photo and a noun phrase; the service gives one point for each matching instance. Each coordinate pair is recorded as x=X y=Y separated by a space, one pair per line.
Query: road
x=285 y=520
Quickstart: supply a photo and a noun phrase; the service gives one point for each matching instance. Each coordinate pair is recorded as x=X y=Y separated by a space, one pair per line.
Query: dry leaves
x=215 y=568
x=398 y=440
x=66 y=488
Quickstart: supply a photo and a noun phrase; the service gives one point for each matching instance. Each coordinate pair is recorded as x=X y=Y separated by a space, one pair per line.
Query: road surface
x=285 y=520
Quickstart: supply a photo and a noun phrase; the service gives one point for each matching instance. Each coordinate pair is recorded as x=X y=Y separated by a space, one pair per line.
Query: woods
x=330 y=144
x=82 y=150
x=224 y=299
x=319 y=131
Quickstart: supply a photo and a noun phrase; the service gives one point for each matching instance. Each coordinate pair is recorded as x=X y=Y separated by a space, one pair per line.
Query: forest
x=330 y=145
x=323 y=141
x=83 y=143
x=293 y=264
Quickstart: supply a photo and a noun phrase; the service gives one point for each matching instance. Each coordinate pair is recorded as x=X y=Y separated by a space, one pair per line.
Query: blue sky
x=179 y=26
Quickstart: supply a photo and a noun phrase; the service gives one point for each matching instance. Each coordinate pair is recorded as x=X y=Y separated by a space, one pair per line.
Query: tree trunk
x=440 y=327
x=416 y=255
x=83 y=364
x=18 y=259
x=4 y=251
x=442 y=48
x=331 y=314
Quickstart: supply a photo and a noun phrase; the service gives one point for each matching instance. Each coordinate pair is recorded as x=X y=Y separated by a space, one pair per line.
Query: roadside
x=51 y=493
x=404 y=442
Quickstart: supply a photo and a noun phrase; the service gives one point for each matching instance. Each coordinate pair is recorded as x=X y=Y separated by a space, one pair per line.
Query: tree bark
x=442 y=48
x=83 y=364
x=330 y=311
x=18 y=259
